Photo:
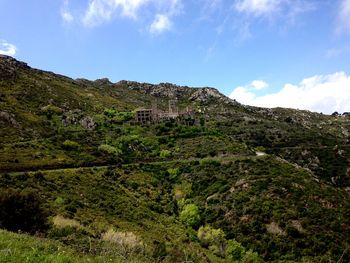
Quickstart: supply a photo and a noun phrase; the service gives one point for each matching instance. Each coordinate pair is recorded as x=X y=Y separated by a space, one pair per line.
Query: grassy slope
x=240 y=195
x=234 y=190
x=22 y=248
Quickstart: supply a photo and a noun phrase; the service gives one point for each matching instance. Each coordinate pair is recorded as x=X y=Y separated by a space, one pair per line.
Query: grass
x=61 y=222
x=21 y=248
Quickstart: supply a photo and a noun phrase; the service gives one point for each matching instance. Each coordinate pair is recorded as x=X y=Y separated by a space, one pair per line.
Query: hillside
x=228 y=183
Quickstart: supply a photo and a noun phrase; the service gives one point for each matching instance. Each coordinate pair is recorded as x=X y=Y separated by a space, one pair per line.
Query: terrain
x=81 y=181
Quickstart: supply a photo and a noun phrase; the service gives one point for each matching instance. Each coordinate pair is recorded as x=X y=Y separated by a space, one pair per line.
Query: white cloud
x=160 y=24
x=278 y=13
x=344 y=16
x=258 y=7
x=247 y=90
x=259 y=84
x=66 y=15
x=325 y=93
x=7 y=48
x=100 y=11
x=288 y=10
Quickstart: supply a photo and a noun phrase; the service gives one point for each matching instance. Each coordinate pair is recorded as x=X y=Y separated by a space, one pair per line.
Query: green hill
x=228 y=183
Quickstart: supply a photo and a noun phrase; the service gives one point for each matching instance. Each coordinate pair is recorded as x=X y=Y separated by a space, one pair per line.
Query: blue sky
x=289 y=53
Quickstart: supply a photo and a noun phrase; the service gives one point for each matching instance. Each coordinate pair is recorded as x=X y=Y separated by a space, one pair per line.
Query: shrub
x=182 y=190
x=125 y=116
x=128 y=239
x=165 y=154
x=70 y=145
x=108 y=149
x=51 y=110
x=111 y=173
x=251 y=257
x=160 y=251
x=62 y=222
x=173 y=172
x=59 y=201
x=190 y=215
x=127 y=243
x=212 y=238
x=209 y=236
x=110 y=113
x=22 y=211
x=234 y=250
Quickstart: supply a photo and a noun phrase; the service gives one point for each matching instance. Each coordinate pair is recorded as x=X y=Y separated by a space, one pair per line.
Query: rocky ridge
x=9 y=67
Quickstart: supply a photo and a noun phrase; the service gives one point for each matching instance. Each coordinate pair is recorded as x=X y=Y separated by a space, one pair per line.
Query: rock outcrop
x=158 y=90
x=172 y=91
x=9 y=66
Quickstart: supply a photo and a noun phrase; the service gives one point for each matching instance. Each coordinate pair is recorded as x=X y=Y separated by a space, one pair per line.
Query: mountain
x=222 y=182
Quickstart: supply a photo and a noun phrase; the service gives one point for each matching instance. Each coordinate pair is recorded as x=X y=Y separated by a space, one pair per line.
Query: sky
x=269 y=53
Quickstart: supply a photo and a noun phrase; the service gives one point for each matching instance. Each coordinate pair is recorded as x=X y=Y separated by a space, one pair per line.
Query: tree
x=251 y=257
x=190 y=215
x=212 y=238
x=22 y=211
x=234 y=250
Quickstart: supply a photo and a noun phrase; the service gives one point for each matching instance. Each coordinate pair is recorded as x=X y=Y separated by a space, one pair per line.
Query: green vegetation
x=91 y=185
x=16 y=248
x=22 y=211
x=70 y=145
x=190 y=215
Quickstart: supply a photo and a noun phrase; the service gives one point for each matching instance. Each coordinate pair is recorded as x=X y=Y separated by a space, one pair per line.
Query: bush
x=62 y=222
x=251 y=257
x=183 y=190
x=160 y=251
x=190 y=215
x=173 y=172
x=234 y=250
x=107 y=149
x=51 y=110
x=125 y=116
x=213 y=239
x=126 y=243
x=110 y=113
x=165 y=153
x=22 y=211
x=70 y=145
x=210 y=236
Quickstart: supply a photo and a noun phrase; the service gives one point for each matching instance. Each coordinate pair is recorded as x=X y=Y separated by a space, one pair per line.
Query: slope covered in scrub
x=232 y=183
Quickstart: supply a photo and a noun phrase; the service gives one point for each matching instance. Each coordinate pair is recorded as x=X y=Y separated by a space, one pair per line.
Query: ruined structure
x=146 y=116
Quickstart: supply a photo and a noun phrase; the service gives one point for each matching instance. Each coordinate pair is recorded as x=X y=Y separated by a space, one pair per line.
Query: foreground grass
x=21 y=248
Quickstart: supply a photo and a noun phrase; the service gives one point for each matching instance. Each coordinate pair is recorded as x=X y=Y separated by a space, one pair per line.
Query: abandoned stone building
x=146 y=116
